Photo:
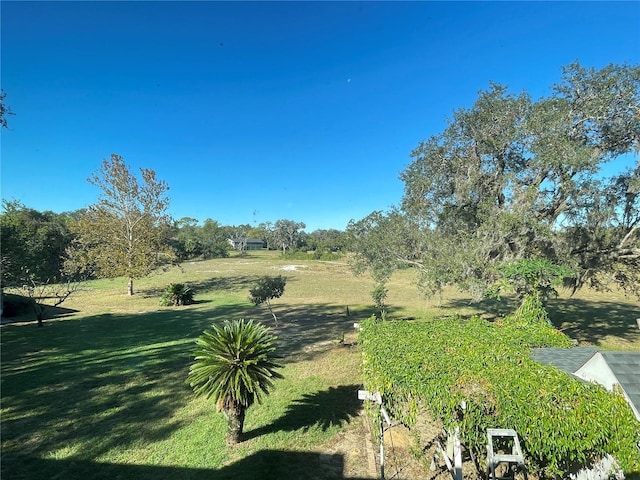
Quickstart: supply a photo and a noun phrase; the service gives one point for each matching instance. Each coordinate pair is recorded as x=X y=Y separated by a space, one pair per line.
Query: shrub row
x=563 y=423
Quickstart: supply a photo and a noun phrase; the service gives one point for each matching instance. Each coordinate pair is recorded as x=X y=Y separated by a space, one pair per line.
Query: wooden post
x=384 y=417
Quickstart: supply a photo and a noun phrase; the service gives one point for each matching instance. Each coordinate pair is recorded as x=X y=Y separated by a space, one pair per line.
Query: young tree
x=233 y=367
x=512 y=178
x=266 y=289
x=124 y=234
x=379 y=296
x=45 y=295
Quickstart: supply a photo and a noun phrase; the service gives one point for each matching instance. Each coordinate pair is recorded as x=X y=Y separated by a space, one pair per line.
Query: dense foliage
x=562 y=422
x=190 y=240
x=512 y=178
x=33 y=244
x=233 y=367
x=529 y=276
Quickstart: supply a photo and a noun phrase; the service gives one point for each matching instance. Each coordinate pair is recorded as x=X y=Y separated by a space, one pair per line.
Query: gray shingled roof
x=626 y=367
x=566 y=359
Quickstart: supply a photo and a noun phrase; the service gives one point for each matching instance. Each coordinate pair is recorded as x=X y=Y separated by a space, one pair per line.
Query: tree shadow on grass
x=590 y=322
x=222 y=283
x=97 y=383
x=587 y=321
x=83 y=387
x=487 y=307
x=264 y=464
x=325 y=409
x=306 y=330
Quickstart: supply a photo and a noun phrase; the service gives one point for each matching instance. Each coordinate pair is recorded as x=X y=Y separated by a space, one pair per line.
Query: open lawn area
x=101 y=392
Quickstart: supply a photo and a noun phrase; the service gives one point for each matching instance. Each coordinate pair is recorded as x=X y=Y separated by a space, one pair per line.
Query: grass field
x=100 y=391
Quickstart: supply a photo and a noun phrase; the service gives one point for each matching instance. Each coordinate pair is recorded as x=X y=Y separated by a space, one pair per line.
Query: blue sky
x=258 y=111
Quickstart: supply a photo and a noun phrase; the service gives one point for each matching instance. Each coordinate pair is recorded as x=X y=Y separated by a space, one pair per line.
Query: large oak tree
x=124 y=233
x=512 y=178
x=287 y=234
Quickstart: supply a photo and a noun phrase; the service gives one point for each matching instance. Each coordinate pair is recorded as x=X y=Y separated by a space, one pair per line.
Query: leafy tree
x=330 y=240
x=264 y=231
x=33 y=250
x=124 y=234
x=233 y=367
x=33 y=244
x=240 y=234
x=512 y=178
x=213 y=239
x=287 y=234
x=266 y=289
x=186 y=242
x=384 y=242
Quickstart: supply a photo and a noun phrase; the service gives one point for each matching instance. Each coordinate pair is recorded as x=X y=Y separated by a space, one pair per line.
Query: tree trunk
x=275 y=319
x=235 y=424
x=130 y=287
x=38 y=310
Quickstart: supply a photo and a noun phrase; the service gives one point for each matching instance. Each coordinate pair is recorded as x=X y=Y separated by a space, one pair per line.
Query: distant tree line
x=48 y=247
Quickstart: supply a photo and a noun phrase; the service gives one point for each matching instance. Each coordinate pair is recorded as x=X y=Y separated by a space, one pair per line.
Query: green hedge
x=563 y=423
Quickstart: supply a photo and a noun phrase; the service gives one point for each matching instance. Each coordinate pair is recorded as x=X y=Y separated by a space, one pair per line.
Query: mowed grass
x=100 y=391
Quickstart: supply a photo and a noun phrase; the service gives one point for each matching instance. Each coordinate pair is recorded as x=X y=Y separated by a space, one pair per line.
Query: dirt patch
x=292 y=268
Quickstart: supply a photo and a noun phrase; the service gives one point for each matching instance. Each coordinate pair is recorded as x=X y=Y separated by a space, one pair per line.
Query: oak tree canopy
x=512 y=178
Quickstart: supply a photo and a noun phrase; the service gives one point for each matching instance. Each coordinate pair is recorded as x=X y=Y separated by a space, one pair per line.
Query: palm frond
x=232 y=363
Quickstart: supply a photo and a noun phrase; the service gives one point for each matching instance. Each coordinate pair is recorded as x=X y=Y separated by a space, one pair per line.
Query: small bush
x=266 y=289
x=176 y=294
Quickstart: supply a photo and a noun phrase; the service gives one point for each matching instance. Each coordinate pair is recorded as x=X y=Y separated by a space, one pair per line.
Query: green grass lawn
x=100 y=391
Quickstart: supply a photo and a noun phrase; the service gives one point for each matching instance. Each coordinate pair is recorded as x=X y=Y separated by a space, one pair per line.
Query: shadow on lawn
x=97 y=383
x=588 y=322
x=333 y=407
x=225 y=283
x=592 y=321
x=265 y=464
x=306 y=330
x=86 y=386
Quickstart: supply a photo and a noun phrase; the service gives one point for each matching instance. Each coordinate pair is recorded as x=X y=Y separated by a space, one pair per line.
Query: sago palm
x=232 y=366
